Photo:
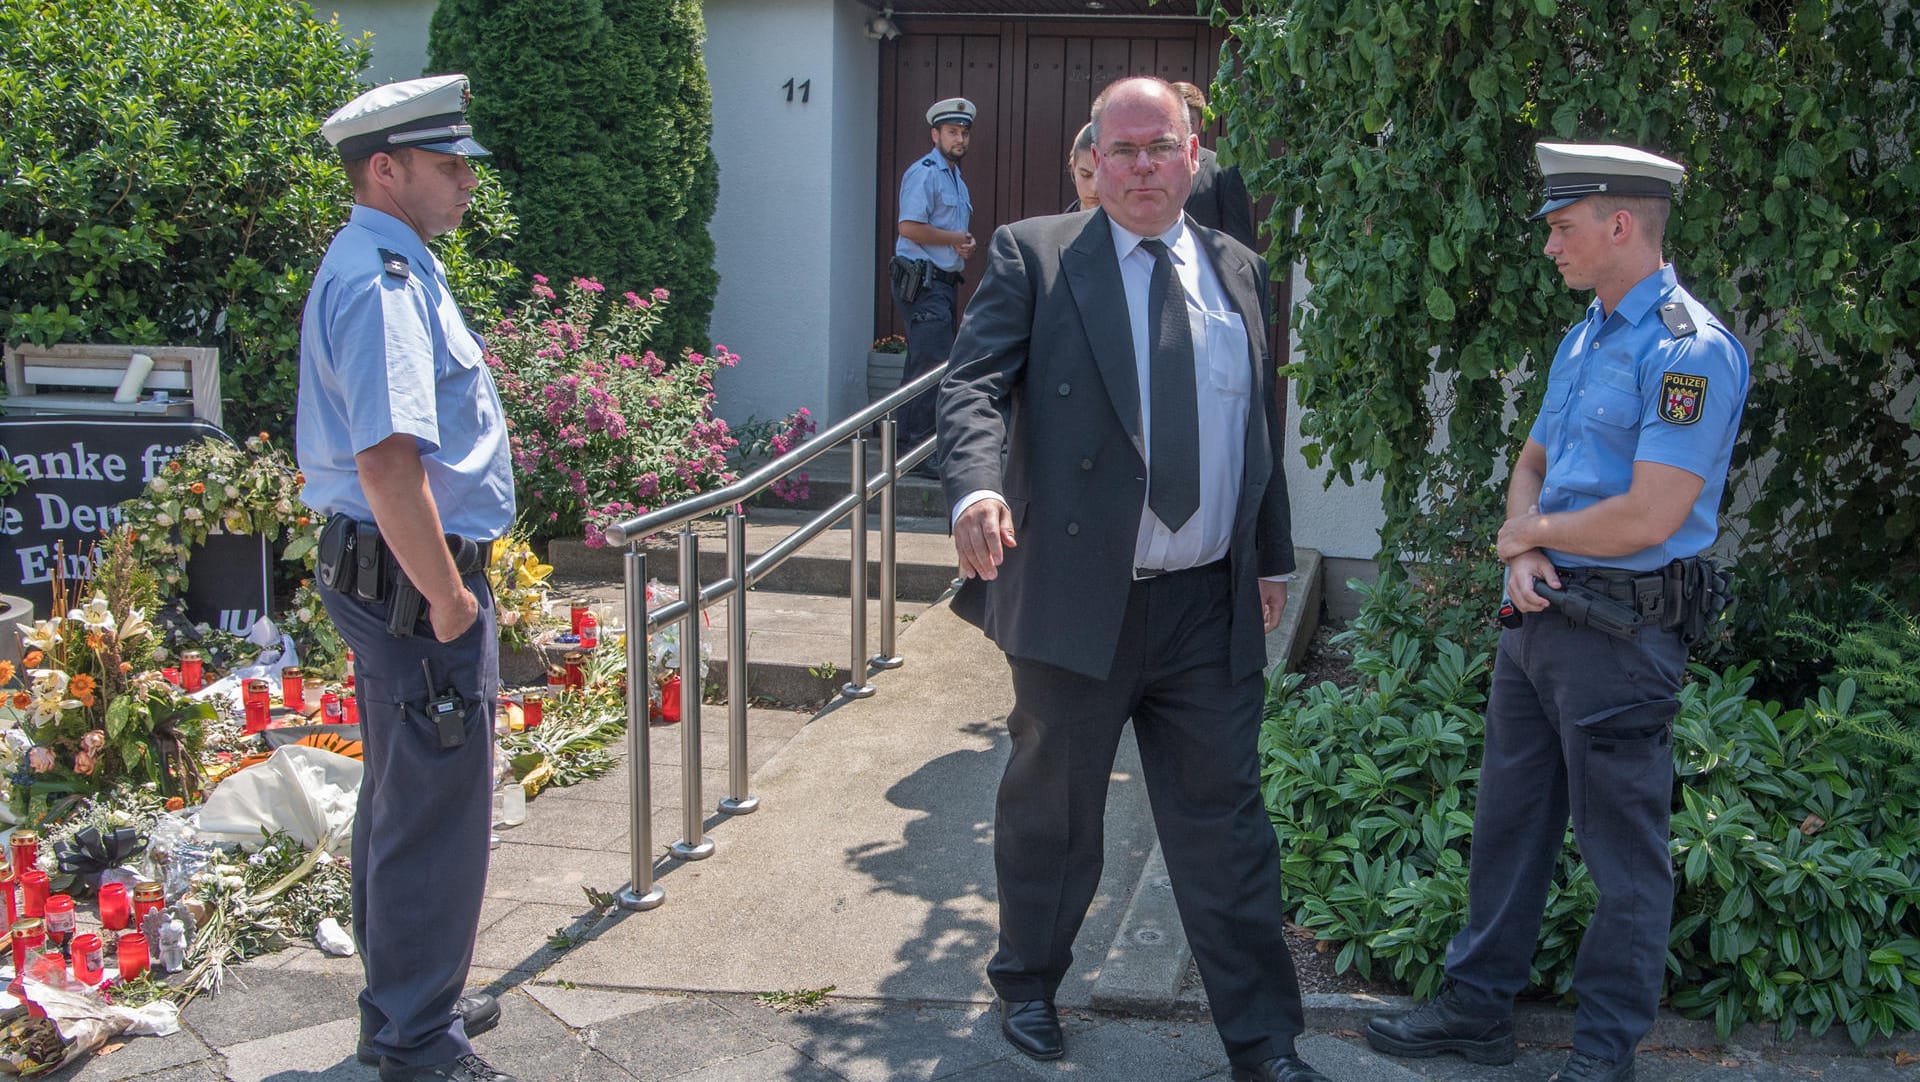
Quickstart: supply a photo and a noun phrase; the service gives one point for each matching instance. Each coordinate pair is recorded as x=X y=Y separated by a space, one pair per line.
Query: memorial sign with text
x=78 y=470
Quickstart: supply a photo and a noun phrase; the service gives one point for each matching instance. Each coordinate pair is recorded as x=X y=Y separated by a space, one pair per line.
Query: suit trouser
x=1579 y=722
x=932 y=319
x=421 y=828
x=1197 y=728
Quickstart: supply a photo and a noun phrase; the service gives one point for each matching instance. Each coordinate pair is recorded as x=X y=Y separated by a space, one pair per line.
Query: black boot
x=1443 y=1024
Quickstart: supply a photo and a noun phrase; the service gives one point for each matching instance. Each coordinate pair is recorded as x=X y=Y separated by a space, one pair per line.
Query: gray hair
x=1173 y=96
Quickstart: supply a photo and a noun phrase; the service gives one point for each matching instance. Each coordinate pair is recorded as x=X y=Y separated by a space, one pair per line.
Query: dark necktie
x=1173 y=474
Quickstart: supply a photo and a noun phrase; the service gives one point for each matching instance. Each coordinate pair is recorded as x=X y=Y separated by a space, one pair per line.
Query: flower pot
x=15 y=613
x=883 y=373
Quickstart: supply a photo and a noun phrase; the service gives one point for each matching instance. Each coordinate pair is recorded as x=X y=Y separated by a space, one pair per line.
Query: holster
x=1697 y=591
x=908 y=277
x=353 y=559
x=1589 y=609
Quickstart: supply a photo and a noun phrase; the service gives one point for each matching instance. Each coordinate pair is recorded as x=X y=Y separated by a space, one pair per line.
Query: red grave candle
x=25 y=848
x=293 y=690
x=33 y=894
x=11 y=888
x=259 y=704
x=59 y=917
x=193 y=670
x=147 y=897
x=132 y=950
x=115 y=907
x=88 y=963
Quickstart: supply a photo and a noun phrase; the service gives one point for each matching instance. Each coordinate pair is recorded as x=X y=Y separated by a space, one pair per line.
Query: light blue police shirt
x=382 y=354
x=932 y=191
x=1624 y=389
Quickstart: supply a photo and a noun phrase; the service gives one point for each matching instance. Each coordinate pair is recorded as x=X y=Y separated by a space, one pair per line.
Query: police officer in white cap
x=1613 y=499
x=931 y=254
x=404 y=448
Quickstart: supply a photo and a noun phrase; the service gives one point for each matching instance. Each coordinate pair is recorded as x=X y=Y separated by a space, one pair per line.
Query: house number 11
x=805 y=89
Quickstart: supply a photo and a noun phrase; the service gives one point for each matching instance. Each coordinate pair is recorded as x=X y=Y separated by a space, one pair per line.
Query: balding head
x=1133 y=86
x=1145 y=154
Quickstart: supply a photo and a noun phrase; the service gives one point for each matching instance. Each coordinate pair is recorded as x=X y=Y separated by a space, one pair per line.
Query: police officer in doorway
x=1613 y=499
x=928 y=257
x=404 y=448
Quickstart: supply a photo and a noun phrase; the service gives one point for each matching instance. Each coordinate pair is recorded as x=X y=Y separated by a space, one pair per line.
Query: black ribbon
x=90 y=853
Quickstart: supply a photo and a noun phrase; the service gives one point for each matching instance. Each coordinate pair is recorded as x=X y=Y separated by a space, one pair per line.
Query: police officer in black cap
x=1615 y=495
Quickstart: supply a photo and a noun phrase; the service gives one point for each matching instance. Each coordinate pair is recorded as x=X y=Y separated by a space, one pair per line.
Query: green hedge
x=163 y=180
x=599 y=114
x=1796 y=846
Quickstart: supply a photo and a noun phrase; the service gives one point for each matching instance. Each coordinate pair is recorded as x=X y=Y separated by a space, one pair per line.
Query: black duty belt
x=355 y=560
x=952 y=278
x=1684 y=596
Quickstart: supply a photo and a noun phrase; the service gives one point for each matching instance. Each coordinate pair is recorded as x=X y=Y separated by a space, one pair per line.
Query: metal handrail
x=741 y=575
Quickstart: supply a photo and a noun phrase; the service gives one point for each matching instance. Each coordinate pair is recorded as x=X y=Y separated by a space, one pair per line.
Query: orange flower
x=197 y=488
x=33 y=659
x=81 y=685
x=84 y=698
x=303 y=521
x=126 y=666
x=175 y=466
x=174 y=803
x=95 y=642
x=22 y=700
x=6 y=671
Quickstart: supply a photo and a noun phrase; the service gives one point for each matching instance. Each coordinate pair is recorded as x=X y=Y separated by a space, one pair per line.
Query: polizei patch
x=1682 y=397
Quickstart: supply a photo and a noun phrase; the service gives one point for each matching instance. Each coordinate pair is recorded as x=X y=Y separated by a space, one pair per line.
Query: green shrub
x=163 y=180
x=599 y=115
x=1797 y=846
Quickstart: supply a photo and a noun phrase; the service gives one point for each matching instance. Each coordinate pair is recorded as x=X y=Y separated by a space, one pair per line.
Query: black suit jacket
x=1219 y=200
x=1044 y=366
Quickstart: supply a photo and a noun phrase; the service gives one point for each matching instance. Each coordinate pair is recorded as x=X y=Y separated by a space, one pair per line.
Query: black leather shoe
x=1279 y=1069
x=467 y=1068
x=1032 y=1026
x=1439 y=1025
x=1582 y=1067
x=480 y=1012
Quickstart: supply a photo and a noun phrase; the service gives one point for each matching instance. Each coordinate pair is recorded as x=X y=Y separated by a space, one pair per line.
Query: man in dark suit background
x=1128 y=553
x=1219 y=199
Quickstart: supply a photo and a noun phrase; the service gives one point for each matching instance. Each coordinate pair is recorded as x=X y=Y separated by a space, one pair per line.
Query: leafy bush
x=601 y=426
x=1408 y=132
x=166 y=182
x=599 y=116
x=1797 y=847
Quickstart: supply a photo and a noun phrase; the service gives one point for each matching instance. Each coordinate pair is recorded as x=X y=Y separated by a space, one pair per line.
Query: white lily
x=44 y=636
x=95 y=615
x=134 y=626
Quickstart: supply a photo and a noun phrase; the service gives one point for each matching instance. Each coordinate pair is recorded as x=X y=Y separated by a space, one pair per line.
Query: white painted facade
x=794 y=228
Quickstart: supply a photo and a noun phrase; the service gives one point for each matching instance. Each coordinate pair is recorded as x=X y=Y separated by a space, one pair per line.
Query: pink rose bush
x=601 y=427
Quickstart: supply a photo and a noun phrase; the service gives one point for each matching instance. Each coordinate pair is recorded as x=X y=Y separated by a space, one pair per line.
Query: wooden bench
x=73 y=379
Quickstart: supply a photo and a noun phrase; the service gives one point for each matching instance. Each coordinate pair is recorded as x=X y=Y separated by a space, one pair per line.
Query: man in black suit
x=1128 y=553
x=1219 y=199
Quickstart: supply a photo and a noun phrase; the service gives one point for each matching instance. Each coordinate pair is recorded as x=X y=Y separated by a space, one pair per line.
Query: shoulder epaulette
x=1674 y=315
x=927 y=162
x=395 y=263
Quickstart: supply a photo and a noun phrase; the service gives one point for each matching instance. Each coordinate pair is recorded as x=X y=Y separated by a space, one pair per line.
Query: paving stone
x=873 y=1042
x=518 y=941
x=553 y=876
x=1002 y=1070
x=181 y=1052
x=773 y=1063
x=583 y=1007
x=1097 y=1049
x=1345 y=1061
x=322 y=1053
x=670 y=1041
x=257 y=1004
x=532 y=1044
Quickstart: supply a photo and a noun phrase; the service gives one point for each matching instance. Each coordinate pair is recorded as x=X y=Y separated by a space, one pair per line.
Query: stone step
x=924 y=564
x=798 y=645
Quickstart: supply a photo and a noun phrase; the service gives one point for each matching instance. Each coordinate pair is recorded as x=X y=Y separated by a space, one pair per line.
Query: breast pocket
x=1229 y=368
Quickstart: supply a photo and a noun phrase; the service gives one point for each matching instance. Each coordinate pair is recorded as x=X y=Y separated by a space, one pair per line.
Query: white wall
x=793 y=231
x=399 y=29
x=1342 y=521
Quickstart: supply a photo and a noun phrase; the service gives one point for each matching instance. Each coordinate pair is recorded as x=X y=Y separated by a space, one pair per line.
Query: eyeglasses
x=1159 y=153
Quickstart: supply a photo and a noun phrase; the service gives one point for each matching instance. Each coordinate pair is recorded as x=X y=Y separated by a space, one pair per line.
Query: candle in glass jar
x=576 y=612
x=589 y=632
x=132 y=952
x=25 y=849
x=147 y=897
x=115 y=908
x=576 y=669
x=533 y=704
x=293 y=692
x=59 y=917
x=10 y=887
x=350 y=708
x=28 y=934
x=259 y=704
x=33 y=894
x=88 y=963
x=193 y=669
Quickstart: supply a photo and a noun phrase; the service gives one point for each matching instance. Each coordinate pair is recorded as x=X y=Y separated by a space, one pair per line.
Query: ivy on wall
x=1403 y=134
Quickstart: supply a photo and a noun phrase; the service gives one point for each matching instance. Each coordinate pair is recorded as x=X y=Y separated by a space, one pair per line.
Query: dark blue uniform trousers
x=1198 y=730
x=421 y=829
x=932 y=320
x=1579 y=722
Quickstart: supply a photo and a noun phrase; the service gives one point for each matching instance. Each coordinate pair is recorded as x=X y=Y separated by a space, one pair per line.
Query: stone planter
x=883 y=373
x=16 y=613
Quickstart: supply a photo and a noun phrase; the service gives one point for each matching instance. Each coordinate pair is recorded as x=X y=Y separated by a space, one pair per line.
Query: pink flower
x=540 y=278
x=93 y=740
x=633 y=300
x=659 y=294
x=589 y=285
x=40 y=759
x=82 y=762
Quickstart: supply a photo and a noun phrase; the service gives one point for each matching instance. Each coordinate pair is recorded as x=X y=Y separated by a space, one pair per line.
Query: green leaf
x=1439 y=304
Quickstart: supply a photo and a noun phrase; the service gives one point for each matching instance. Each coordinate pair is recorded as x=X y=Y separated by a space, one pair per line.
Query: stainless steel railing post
x=857 y=685
x=641 y=892
x=889 y=503
x=737 y=801
x=694 y=843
